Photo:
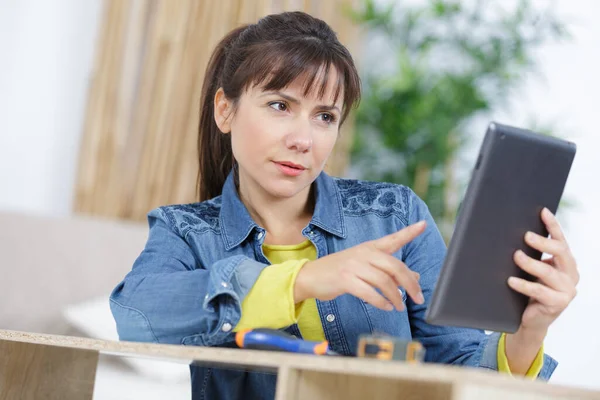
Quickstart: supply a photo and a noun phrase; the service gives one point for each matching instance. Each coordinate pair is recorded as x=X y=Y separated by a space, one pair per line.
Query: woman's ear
x=223 y=111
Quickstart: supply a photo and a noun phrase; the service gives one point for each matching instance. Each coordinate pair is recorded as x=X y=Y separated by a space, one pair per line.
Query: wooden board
x=30 y=371
x=303 y=376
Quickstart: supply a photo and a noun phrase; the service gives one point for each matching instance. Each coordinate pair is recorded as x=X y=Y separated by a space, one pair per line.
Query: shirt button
x=224 y=284
x=260 y=235
x=226 y=327
x=330 y=317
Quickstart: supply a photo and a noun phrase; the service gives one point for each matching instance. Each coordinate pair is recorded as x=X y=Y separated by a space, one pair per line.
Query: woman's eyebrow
x=296 y=101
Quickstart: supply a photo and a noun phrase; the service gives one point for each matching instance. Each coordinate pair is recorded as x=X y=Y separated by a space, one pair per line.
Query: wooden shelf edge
x=263 y=360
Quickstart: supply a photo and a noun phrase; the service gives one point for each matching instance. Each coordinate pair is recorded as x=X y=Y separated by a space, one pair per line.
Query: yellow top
x=277 y=282
x=274 y=291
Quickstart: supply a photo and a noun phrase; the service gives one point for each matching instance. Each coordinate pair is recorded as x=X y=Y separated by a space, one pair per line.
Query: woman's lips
x=289 y=169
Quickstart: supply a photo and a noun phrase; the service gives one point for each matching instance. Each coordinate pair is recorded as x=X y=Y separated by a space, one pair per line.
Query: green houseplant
x=442 y=64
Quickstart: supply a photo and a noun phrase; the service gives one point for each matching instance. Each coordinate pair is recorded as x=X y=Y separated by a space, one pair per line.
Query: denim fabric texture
x=201 y=260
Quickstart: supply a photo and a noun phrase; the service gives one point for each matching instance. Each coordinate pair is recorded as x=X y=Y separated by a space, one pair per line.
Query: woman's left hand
x=557 y=277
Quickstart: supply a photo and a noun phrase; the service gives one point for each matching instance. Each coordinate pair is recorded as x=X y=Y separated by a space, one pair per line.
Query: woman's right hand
x=360 y=270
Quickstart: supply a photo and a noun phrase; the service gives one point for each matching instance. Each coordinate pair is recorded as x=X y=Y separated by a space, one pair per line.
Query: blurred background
x=99 y=111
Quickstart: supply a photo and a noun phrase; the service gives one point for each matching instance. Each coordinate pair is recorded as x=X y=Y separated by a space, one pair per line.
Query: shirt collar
x=236 y=222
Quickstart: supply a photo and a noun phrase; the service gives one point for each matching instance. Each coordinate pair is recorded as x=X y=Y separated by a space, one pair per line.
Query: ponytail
x=271 y=53
x=214 y=148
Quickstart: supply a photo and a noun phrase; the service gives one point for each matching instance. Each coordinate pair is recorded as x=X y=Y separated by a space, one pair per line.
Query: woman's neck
x=282 y=218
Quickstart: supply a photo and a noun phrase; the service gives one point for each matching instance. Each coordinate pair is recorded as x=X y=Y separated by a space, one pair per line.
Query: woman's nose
x=300 y=137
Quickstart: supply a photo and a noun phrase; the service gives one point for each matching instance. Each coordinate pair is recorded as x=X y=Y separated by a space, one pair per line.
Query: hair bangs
x=280 y=64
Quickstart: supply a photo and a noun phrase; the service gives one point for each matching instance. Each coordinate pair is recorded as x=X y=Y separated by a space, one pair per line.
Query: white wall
x=46 y=54
x=567 y=96
x=46 y=58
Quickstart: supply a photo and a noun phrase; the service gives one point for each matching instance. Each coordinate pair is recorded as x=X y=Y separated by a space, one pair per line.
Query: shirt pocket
x=395 y=323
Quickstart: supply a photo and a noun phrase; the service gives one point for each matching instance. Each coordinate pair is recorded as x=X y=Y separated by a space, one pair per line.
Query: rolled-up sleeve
x=168 y=297
x=449 y=345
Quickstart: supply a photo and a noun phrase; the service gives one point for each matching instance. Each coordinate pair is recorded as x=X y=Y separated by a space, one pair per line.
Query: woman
x=275 y=242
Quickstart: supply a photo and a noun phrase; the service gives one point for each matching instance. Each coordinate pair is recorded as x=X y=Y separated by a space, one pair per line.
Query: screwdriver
x=276 y=340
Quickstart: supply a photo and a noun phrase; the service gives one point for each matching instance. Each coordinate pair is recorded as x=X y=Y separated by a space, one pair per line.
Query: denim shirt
x=201 y=259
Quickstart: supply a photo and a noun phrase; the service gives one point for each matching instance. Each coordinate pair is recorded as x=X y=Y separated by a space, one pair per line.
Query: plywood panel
x=305 y=376
x=31 y=371
x=318 y=385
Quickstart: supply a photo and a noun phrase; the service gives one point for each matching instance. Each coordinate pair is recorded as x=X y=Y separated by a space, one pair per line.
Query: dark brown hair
x=272 y=53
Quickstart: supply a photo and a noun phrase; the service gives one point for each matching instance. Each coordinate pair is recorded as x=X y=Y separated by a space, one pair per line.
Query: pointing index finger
x=393 y=242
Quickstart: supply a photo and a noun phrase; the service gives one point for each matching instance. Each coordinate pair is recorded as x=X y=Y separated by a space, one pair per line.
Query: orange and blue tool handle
x=272 y=339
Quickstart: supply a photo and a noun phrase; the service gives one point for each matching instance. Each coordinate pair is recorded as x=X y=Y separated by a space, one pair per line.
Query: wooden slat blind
x=139 y=141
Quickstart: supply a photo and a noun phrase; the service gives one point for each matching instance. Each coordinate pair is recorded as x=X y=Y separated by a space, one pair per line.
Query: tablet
x=516 y=175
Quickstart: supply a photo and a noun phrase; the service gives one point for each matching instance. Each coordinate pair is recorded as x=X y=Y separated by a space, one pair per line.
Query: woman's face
x=281 y=140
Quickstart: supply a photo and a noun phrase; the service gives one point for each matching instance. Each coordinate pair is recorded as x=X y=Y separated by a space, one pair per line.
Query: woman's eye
x=278 y=105
x=328 y=118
